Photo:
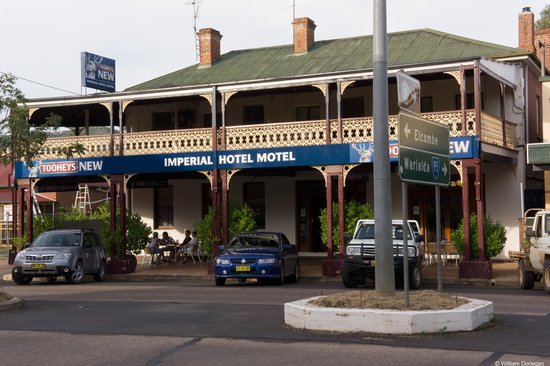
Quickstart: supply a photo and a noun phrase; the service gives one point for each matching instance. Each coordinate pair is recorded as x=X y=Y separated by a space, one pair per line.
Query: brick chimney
x=209 y=44
x=526 y=30
x=304 y=34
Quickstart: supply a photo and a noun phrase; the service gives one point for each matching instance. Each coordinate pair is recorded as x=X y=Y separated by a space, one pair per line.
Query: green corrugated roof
x=423 y=46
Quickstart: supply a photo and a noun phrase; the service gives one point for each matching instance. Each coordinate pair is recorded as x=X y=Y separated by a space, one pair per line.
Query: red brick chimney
x=304 y=34
x=209 y=43
x=526 y=30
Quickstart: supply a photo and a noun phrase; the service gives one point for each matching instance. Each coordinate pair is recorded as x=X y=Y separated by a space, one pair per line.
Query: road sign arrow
x=444 y=169
x=407 y=130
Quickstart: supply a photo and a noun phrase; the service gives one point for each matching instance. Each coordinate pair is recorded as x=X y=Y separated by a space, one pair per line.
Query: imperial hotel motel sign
x=97 y=72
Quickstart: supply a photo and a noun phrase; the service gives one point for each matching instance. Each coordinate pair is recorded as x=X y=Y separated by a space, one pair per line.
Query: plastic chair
x=146 y=253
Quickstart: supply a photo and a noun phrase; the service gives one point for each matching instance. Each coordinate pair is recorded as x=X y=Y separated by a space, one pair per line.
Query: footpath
x=504 y=273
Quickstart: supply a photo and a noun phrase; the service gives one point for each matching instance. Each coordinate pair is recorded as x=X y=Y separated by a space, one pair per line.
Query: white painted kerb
x=300 y=314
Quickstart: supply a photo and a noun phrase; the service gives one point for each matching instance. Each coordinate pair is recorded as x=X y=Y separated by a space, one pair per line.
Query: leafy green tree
x=240 y=219
x=18 y=139
x=495 y=237
x=544 y=21
x=353 y=212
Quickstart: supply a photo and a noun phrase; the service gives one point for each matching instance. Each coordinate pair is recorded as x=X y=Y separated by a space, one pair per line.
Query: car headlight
x=222 y=261
x=352 y=250
x=266 y=261
x=20 y=255
x=62 y=255
x=411 y=251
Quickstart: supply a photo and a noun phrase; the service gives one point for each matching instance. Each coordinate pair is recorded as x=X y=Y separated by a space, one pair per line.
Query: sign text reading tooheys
x=70 y=167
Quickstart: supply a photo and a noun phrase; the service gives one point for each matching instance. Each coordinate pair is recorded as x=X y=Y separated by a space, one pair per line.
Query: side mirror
x=347 y=238
x=27 y=244
x=529 y=232
x=221 y=247
x=419 y=238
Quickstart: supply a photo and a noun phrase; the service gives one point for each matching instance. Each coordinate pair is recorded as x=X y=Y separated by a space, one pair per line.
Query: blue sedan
x=260 y=254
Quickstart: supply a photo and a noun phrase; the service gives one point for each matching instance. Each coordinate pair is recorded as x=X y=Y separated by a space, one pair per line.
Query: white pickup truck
x=534 y=256
x=359 y=262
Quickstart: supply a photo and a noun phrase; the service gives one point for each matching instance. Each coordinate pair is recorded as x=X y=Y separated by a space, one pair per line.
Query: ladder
x=82 y=199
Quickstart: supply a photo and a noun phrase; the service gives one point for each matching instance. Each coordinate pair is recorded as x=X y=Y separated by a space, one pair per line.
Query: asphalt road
x=196 y=323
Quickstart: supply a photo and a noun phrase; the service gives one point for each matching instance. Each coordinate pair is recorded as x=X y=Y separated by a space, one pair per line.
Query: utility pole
x=384 y=268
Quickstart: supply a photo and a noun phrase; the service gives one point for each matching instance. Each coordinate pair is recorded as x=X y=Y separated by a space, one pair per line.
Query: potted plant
x=494 y=235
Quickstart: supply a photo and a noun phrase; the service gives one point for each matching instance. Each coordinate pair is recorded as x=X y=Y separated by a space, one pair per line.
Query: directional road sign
x=423 y=151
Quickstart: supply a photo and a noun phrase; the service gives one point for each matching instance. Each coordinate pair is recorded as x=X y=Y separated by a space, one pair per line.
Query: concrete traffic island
x=302 y=314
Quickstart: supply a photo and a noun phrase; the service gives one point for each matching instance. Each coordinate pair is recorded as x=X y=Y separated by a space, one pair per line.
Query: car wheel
x=296 y=274
x=546 y=276
x=283 y=274
x=100 y=274
x=21 y=280
x=526 y=278
x=51 y=279
x=415 y=278
x=220 y=281
x=77 y=275
x=348 y=280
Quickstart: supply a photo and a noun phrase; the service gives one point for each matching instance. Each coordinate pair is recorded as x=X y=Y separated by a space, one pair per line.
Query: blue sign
x=97 y=72
x=334 y=154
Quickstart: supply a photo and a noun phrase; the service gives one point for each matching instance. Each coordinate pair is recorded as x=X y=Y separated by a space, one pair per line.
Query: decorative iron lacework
x=272 y=135
x=95 y=146
x=166 y=142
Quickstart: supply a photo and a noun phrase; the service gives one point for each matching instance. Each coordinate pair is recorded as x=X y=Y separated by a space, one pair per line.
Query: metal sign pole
x=405 y=244
x=438 y=238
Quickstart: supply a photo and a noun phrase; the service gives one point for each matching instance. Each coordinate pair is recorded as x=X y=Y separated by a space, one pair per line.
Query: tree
x=353 y=212
x=544 y=21
x=18 y=139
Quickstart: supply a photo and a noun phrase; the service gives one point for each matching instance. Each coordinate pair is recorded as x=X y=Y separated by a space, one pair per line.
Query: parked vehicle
x=534 y=255
x=359 y=263
x=261 y=255
x=71 y=253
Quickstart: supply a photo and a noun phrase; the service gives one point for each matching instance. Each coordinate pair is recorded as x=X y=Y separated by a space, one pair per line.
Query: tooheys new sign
x=97 y=72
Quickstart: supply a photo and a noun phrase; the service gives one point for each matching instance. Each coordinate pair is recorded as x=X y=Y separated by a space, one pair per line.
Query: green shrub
x=353 y=212
x=495 y=237
x=240 y=219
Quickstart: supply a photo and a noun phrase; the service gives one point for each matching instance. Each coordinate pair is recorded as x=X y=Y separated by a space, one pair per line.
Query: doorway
x=310 y=200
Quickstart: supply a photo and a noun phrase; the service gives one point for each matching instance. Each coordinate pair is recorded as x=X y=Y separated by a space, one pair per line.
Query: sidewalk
x=504 y=273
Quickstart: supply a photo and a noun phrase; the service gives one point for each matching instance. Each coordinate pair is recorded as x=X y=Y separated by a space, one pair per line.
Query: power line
x=41 y=84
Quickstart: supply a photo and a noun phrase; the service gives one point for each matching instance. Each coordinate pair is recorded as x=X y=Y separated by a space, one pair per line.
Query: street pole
x=438 y=238
x=384 y=268
x=405 y=201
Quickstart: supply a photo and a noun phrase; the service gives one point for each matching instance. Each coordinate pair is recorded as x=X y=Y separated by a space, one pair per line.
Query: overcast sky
x=42 y=39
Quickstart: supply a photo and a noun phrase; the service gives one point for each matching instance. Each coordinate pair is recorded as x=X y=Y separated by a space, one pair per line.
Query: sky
x=42 y=39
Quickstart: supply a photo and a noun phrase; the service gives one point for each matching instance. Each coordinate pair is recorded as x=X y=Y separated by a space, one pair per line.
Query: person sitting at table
x=188 y=247
x=167 y=239
x=153 y=246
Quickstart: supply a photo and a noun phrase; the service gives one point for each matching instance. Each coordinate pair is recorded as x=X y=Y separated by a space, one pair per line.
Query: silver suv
x=70 y=253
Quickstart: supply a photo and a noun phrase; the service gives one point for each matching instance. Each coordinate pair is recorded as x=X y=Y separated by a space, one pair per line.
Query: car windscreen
x=254 y=242
x=366 y=231
x=57 y=240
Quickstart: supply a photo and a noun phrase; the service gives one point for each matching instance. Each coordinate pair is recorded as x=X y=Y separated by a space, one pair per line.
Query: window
x=162 y=121
x=309 y=113
x=353 y=107
x=254 y=197
x=426 y=105
x=253 y=114
x=164 y=207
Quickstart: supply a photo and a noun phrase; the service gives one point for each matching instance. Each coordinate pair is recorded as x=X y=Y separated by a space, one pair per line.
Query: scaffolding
x=82 y=199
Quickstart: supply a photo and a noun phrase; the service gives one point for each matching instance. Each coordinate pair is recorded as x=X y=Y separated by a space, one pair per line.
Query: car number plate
x=242 y=268
x=38 y=266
